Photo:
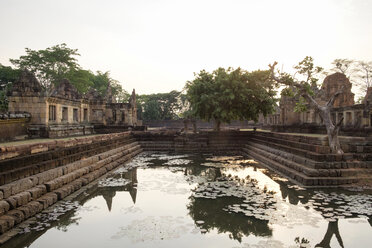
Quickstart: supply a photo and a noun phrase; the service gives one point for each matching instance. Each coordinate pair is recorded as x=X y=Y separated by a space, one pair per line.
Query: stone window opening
x=75 y=115
x=122 y=116
x=348 y=118
x=64 y=114
x=85 y=114
x=52 y=113
x=114 y=115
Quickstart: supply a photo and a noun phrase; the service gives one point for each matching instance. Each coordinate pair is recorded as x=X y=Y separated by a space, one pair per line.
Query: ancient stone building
x=354 y=115
x=332 y=84
x=64 y=111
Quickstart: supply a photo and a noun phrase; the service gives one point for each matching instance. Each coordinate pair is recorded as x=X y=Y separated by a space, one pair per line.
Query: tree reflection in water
x=211 y=211
x=331 y=230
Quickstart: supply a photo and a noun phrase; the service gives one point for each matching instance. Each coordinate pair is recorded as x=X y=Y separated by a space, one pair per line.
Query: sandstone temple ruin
x=63 y=111
x=355 y=116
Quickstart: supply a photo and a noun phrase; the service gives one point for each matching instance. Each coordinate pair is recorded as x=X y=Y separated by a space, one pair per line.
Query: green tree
x=161 y=106
x=8 y=76
x=81 y=79
x=227 y=94
x=303 y=89
x=100 y=82
x=50 y=65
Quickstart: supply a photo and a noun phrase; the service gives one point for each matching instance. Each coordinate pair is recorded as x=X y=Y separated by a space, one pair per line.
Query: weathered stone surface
x=17 y=214
x=7 y=190
x=4 y=207
x=6 y=222
x=48 y=199
x=54 y=184
x=37 y=191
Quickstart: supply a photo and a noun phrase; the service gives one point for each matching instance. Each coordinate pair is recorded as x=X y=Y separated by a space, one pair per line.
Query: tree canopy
x=303 y=88
x=161 y=106
x=7 y=76
x=231 y=94
x=49 y=65
x=55 y=63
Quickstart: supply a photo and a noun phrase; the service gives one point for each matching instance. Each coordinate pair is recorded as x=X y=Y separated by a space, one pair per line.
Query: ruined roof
x=66 y=90
x=332 y=84
x=93 y=95
x=26 y=85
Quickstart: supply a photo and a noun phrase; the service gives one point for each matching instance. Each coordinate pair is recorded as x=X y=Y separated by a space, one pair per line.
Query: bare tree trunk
x=324 y=112
x=194 y=126
x=332 y=130
x=217 y=125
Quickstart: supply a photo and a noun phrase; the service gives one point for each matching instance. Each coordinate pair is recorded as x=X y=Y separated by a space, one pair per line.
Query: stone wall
x=35 y=176
x=224 y=142
x=13 y=125
x=309 y=128
x=179 y=124
x=63 y=111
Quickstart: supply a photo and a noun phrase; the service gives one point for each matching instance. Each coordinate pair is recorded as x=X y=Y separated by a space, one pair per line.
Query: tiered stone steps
x=307 y=160
x=28 y=196
x=204 y=142
x=24 y=166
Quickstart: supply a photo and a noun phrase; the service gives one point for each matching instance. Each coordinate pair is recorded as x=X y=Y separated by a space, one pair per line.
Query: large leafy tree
x=303 y=89
x=161 y=106
x=49 y=65
x=8 y=76
x=227 y=94
x=100 y=82
x=55 y=63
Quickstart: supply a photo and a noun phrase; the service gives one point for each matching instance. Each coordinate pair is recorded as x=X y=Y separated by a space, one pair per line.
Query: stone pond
x=180 y=200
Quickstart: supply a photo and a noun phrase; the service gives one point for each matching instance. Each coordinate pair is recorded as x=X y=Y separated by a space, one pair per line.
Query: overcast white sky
x=156 y=46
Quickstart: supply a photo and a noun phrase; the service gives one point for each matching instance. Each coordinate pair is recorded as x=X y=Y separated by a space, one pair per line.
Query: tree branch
x=339 y=123
x=297 y=85
x=272 y=69
x=331 y=101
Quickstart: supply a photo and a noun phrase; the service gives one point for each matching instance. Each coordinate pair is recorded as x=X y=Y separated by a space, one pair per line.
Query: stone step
x=303 y=166
x=305 y=153
x=26 y=171
x=298 y=177
x=304 y=146
x=41 y=178
x=321 y=141
x=312 y=163
x=23 y=161
x=30 y=206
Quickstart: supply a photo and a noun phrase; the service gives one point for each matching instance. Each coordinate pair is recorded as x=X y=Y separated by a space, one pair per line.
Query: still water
x=162 y=200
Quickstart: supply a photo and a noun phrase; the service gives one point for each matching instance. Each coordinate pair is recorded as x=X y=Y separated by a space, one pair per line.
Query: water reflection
x=228 y=198
x=208 y=215
x=68 y=210
x=115 y=183
x=331 y=230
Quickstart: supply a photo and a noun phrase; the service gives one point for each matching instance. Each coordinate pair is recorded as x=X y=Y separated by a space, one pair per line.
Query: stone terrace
x=308 y=161
x=33 y=176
